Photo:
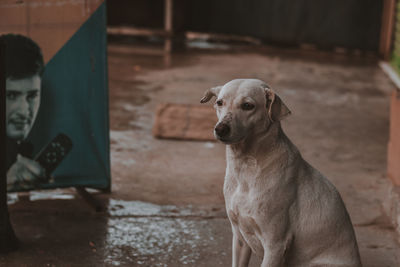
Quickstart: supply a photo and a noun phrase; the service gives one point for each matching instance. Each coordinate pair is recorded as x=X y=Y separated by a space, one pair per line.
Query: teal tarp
x=75 y=102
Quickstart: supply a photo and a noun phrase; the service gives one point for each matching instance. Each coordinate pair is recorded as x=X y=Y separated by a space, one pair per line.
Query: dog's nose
x=222 y=129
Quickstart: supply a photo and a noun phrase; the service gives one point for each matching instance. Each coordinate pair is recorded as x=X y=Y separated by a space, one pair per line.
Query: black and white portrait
x=24 y=68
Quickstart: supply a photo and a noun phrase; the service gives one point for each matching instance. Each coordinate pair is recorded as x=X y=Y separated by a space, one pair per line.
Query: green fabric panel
x=75 y=102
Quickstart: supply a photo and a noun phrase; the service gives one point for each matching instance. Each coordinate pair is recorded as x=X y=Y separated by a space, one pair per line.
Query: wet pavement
x=166 y=207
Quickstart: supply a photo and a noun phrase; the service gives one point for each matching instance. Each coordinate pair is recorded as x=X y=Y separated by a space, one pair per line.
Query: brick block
x=394 y=141
x=51 y=23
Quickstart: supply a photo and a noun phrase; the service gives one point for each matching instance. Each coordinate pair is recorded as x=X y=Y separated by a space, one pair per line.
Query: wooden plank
x=135 y=50
x=232 y=37
x=134 y=31
x=90 y=199
x=388 y=18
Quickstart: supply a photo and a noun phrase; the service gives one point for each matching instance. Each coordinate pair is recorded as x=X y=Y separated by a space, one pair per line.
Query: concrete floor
x=167 y=208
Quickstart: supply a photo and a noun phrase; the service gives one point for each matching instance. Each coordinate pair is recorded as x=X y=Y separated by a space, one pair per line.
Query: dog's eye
x=247 y=106
x=219 y=103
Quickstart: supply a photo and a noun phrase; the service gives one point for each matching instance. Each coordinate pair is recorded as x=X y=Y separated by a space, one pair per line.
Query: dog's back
x=323 y=232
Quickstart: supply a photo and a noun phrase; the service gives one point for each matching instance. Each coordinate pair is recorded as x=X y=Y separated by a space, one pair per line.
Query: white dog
x=279 y=206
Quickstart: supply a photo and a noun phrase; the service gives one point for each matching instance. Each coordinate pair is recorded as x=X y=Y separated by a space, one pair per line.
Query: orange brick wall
x=394 y=142
x=48 y=22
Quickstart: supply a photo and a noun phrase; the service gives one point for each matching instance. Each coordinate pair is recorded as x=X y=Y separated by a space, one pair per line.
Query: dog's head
x=244 y=106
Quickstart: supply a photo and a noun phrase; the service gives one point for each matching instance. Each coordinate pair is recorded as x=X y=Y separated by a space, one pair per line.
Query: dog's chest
x=240 y=189
x=245 y=220
x=243 y=211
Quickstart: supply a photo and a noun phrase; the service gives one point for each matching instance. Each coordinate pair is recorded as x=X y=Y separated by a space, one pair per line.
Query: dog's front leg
x=272 y=259
x=275 y=253
x=241 y=252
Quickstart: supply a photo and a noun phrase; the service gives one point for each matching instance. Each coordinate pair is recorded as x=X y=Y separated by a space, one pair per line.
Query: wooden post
x=168 y=13
x=8 y=240
x=92 y=201
x=388 y=19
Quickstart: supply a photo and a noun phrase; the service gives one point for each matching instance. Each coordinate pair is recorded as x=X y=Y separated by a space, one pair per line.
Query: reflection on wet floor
x=122 y=208
x=150 y=241
x=12 y=198
x=134 y=233
x=147 y=234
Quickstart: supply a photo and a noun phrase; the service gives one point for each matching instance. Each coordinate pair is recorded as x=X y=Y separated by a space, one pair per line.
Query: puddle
x=209 y=145
x=156 y=241
x=126 y=140
x=207 y=45
x=128 y=107
x=128 y=162
x=153 y=235
x=13 y=198
x=119 y=208
x=35 y=195
x=135 y=233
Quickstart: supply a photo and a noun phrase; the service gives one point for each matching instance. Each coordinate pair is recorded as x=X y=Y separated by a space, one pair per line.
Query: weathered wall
x=345 y=23
x=141 y=13
x=147 y=14
x=48 y=22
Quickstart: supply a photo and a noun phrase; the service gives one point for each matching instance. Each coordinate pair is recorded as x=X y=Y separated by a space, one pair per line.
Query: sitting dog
x=279 y=206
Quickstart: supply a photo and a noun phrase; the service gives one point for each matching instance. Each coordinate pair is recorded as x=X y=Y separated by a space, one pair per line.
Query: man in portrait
x=24 y=67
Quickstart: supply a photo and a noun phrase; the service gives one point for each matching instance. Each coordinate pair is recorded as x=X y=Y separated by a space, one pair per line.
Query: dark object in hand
x=52 y=154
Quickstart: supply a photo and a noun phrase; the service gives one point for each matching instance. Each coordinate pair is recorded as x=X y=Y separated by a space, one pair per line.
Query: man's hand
x=24 y=173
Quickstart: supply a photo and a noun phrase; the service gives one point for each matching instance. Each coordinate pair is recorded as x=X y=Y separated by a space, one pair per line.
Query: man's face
x=22 y=105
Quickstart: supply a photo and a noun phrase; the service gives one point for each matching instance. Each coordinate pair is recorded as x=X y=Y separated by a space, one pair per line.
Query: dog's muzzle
x=222 y=130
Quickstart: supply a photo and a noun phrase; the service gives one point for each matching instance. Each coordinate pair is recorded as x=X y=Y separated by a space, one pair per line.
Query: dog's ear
x=277 y=110
x=210 y=93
